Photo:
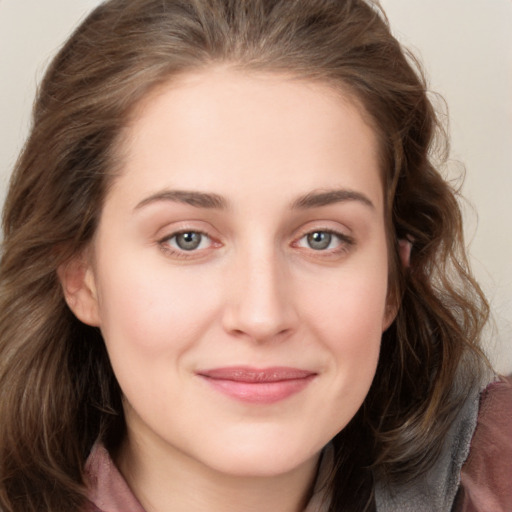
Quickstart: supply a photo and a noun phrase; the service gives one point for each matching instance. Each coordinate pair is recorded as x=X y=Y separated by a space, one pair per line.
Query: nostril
x=259 y=304
x=243 y=324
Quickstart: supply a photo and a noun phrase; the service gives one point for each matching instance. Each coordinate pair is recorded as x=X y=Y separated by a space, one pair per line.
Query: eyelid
x=324 y=225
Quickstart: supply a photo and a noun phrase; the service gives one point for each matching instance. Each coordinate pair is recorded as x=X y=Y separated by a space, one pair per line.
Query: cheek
x=346 y=313
x=153 y=309
x=356 y=332
x=351 y=303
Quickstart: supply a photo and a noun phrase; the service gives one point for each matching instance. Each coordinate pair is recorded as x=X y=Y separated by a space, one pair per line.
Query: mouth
x=258 y=386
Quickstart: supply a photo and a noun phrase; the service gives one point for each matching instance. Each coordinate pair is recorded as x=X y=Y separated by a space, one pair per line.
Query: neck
x=174 y=482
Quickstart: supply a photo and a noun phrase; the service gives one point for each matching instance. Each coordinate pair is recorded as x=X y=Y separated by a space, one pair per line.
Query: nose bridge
x=259 y=304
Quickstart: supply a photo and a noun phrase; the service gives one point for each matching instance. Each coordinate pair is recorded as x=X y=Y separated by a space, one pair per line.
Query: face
x=239 y=270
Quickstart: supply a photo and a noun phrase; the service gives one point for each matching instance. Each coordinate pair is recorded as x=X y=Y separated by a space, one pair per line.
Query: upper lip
x=256 y=375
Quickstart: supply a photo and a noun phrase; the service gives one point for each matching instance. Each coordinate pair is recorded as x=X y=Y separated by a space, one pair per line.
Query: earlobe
x=79 y=287
x=389 y=316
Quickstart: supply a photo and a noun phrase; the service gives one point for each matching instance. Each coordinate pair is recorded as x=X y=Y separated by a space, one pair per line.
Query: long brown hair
x=57 y=389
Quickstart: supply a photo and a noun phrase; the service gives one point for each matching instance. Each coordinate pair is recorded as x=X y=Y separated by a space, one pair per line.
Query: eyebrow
x=320 y=198
x=192 y=198
x=314 y=199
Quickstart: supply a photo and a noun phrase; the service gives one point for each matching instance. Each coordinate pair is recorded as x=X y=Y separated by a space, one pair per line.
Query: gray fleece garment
x=436 y=491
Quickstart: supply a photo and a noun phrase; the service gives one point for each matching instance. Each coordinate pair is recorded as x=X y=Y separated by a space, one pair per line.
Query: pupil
x=188 y=241
x=319 y=240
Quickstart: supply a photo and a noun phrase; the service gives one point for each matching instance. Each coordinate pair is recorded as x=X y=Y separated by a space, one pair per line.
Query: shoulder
x=486 y=476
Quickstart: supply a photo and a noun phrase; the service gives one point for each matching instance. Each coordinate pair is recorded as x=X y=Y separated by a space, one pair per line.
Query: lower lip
x=259 y=392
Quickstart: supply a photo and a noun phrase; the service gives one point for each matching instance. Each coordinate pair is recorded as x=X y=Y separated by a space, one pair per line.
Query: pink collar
x=109 y=492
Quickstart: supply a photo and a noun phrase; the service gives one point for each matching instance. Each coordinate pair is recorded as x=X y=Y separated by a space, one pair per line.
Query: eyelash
x=345 y=243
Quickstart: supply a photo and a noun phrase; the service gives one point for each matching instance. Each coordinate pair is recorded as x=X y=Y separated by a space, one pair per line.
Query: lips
x=259 y=386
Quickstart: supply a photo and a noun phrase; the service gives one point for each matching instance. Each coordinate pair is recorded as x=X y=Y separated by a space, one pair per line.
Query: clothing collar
x=109 y=492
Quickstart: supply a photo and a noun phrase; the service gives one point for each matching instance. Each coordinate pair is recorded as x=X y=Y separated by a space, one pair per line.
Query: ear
x=404 y=252
x=79 y=286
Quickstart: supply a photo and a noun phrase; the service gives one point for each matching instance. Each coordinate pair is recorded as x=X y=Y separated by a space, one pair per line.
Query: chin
x=266 y=459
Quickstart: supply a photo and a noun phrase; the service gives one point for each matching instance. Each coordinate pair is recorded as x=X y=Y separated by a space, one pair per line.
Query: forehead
x=211 y=128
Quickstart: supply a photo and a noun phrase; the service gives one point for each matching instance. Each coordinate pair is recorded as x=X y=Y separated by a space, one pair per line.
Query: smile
x=258 y=386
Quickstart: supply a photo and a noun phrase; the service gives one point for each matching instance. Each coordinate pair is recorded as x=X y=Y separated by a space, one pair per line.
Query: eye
x=319 y=240
x=324 y=240
x=188 y=241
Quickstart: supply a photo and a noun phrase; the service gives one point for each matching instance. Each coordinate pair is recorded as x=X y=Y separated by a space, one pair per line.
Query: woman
x=232 y=277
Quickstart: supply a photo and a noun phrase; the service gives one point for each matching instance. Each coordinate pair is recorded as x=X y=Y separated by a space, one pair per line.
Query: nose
x=260 y=306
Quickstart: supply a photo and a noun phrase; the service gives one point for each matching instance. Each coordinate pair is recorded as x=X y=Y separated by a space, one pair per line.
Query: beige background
x=466 y=46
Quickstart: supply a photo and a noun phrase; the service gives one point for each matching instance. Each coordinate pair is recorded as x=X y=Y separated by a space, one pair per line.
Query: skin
x=284 y=158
